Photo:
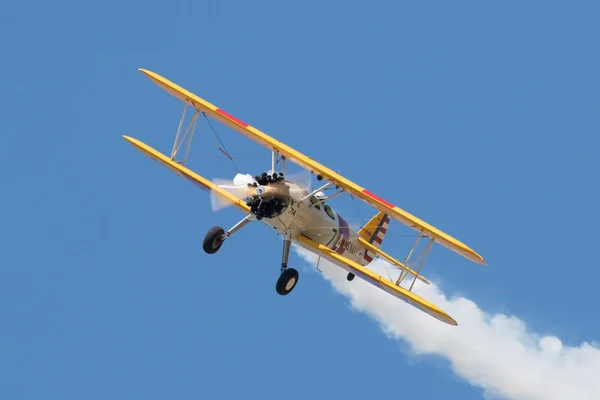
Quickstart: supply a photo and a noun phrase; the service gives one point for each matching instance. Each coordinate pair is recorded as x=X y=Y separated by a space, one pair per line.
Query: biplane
x=302 y=215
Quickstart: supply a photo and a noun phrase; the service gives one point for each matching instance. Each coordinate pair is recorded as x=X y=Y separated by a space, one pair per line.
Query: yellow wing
x=390 y=259
x=187 y=173
x=306 y=162
x=377 y=280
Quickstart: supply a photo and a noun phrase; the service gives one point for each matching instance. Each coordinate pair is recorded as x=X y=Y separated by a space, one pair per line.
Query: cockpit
x=318 y=201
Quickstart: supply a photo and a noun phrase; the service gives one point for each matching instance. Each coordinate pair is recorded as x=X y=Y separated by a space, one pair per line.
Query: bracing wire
x=223 y=149
x=362 y=219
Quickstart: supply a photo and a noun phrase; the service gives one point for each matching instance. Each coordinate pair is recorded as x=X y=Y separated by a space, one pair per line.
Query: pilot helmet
x=321 y=196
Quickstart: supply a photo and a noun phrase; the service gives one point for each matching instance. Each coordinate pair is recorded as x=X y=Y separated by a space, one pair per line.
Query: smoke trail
x=495 y=352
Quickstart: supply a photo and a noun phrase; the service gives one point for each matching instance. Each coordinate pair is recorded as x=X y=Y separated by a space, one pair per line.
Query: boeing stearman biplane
x=302 y=215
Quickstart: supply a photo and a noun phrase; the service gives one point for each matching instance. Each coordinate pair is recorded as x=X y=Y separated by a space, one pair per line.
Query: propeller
x=237 y=187
x=301 y=178
x=245 y=185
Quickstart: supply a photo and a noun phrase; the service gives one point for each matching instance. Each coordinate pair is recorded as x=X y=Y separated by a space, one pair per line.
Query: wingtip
x=476 y=258
x=145 y=71
x=129 y=139
x=448 y=320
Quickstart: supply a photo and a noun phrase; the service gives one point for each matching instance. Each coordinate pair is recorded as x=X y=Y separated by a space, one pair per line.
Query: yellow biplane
x=302 y=215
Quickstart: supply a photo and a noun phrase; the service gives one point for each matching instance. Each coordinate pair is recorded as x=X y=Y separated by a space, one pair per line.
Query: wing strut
x=274 y=161
x=340 y=191
x=325 y=186
x=422 y=256
x=179 y=140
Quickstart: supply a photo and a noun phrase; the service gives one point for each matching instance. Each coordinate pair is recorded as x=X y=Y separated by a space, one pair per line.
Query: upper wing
x=295 y=156
x=377 y=280
x=187 y=173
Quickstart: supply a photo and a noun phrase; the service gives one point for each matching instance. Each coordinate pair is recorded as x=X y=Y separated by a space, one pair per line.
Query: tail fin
x=374 y=232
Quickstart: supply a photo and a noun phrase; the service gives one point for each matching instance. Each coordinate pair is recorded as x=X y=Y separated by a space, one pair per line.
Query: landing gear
x=289 y=277
x=287 y=281
x=350 y=276
x=216 y=235
x=213 y=240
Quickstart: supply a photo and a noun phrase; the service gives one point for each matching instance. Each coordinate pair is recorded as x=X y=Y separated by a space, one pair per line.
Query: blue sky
x=480 y=118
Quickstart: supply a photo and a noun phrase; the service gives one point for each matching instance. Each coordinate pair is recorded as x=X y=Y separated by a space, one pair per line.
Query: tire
x=213 y=240
x=287 y=281
x=350 y=276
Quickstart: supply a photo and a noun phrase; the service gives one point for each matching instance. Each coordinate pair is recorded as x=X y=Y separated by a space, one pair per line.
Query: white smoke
x=494 y=352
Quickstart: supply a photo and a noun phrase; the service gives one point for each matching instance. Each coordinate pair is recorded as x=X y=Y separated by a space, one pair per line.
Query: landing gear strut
x=289 y=277
x=216 y=235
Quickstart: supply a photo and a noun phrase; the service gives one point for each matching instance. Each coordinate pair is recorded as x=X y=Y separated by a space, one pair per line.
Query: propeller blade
x=237 y=187
x=302 y=178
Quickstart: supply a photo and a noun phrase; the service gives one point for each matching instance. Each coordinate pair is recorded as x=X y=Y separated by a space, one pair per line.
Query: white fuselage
x=320 y=223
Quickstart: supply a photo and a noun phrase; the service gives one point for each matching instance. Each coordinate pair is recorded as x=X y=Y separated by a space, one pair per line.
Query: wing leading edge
x=306 y=162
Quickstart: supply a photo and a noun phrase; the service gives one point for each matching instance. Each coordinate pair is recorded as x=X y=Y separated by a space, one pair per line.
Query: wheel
x=213 y=240
x=350 y=276
x=287 y=281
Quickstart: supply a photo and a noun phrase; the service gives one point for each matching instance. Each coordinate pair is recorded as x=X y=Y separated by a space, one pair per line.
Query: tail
x=374 y=232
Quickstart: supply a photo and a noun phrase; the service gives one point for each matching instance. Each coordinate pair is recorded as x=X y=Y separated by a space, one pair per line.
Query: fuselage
x=320 y=223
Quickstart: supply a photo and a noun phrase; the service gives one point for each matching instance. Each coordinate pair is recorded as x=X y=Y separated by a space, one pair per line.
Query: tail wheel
x=287 y=281
x=213 y=240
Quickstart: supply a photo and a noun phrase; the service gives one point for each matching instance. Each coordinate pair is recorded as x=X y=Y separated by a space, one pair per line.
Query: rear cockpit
x=318 y=201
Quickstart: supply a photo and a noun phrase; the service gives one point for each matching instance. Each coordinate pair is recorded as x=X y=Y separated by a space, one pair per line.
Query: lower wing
x=187 y=173
x=374 y=279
